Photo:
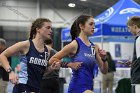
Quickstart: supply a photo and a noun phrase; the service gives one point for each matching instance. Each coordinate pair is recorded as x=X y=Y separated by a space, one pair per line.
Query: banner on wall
x=65 y=36
x=117 y=50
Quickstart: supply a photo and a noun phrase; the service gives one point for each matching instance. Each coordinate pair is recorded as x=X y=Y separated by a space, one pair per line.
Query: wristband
x=9 y=70
x=64 y=64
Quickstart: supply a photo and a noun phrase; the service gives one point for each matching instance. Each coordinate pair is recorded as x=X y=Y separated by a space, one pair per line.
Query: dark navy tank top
x=83 y=77
x=33 y=65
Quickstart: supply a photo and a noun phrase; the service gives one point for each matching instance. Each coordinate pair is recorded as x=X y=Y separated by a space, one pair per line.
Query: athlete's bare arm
x=20 y=48
x=68 y=50
x=102 y=65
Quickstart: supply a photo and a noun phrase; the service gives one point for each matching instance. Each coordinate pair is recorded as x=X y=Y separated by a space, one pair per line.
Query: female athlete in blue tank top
x=83 y=77
x=82 y=50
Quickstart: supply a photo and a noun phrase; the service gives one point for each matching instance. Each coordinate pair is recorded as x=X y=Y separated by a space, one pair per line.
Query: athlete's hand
x=55 y=65
x=74 y=65
x=102 y=53
x=13 y=77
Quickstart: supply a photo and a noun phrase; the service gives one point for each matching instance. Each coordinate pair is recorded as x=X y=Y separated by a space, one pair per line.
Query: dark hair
x=135 y=20
x=2 y=41
x=109 y=57
x=75 y=29
x=111 y=63
x=3 y=44
x=38 y=23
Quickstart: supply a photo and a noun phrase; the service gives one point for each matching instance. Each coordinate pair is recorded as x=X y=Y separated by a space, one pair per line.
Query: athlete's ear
x=135 y=26
x=37 y=29
x=81 y=27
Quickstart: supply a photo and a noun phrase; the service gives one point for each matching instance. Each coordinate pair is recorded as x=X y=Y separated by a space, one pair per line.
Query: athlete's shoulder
x=23 y=44
x=74 y=44
x=71 y=48
x=26 y=42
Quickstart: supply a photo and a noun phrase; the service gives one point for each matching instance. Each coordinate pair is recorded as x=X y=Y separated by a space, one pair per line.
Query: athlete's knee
x=88 y=91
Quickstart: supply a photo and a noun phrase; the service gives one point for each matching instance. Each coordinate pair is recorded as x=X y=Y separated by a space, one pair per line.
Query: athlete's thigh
x=88 y=91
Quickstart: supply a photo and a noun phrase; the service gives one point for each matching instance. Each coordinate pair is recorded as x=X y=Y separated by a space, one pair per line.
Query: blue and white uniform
x=32 y=65
x=82 y=79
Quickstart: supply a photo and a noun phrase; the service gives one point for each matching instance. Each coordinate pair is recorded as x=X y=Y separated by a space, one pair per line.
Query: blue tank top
x=82 y=79
x=33 y=65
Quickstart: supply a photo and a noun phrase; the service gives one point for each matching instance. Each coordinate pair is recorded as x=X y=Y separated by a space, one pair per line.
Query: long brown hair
x=38 y=23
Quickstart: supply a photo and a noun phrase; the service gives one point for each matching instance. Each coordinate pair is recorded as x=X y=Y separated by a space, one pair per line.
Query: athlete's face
x=89 y=27
x=46 y=30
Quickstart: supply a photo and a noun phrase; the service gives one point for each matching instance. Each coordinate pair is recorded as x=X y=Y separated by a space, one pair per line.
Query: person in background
x=4 y=78
x=50 y=81
x=134 y=27
x=108 y=78
x=82 y=50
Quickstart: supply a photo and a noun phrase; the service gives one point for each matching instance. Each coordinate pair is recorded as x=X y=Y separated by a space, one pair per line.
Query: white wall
x=104 y=45
x=126 y=49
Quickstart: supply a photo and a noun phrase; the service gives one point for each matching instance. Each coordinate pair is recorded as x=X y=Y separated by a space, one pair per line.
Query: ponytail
x=75 y=30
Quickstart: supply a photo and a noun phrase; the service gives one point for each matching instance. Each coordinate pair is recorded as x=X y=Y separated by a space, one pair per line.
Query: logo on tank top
x=38 y=61
x=92 y=52
x=88 y=55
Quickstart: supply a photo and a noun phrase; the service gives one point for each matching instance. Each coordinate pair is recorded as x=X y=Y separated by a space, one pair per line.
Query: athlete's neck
x=85 y=39
x=39 y=44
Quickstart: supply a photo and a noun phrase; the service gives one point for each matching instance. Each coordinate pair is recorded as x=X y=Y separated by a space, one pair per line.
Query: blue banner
x=112 y=22
x=65 y=36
